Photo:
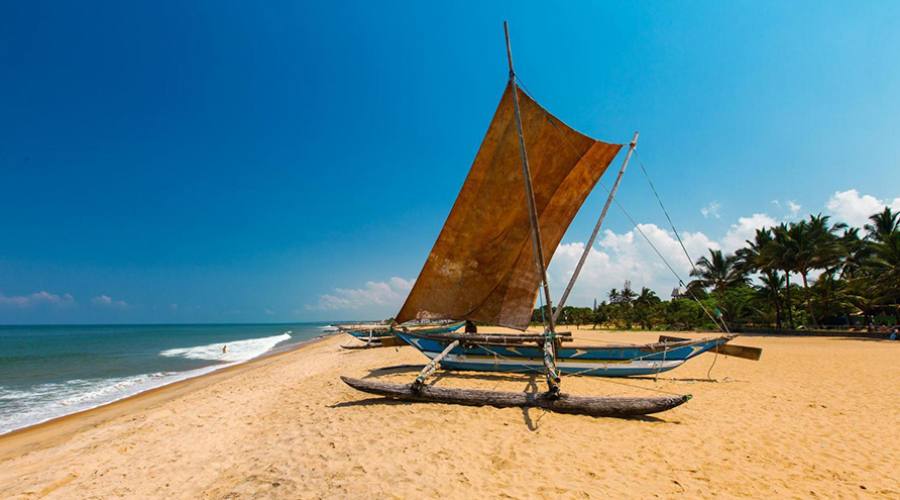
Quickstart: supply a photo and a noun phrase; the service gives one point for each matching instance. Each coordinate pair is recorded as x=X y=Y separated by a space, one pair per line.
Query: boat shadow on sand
x=531 y=416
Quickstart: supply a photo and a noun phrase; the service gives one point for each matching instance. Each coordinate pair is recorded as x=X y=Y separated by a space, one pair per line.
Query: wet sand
x=814 y=417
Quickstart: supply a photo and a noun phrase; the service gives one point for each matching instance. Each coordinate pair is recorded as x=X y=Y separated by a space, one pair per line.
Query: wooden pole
x=550 y=340
x=432 y=365
x=590 y=242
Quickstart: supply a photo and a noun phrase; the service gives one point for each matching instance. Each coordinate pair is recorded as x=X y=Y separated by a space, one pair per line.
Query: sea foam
x=20 y=408
x=228 y=352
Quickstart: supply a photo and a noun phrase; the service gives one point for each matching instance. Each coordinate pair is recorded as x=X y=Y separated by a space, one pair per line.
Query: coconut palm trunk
x=809 y=308
x=790 y=314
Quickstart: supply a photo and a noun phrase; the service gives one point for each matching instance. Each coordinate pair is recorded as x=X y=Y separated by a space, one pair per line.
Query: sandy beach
x=814 y=417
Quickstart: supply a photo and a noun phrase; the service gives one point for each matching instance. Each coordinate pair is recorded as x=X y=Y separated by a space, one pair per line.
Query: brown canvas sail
x=482 y=266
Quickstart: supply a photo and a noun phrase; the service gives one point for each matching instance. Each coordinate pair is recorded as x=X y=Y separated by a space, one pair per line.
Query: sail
x=482 y=267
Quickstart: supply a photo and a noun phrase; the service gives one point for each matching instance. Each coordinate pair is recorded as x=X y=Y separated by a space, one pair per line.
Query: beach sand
x=814 y=417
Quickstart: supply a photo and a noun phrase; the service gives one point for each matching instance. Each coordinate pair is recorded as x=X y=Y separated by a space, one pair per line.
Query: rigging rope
x=663 y=207
x=635 y=224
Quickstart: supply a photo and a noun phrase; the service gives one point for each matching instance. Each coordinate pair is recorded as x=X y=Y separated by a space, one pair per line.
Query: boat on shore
x=489 y=265
x=620 y=360
x=385 y=336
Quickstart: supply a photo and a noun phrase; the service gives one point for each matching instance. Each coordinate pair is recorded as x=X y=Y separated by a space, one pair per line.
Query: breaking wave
x=229 y=352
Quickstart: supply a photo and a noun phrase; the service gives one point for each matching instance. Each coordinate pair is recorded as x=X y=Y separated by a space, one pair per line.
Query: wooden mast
x=550 y=334
x=590 y=242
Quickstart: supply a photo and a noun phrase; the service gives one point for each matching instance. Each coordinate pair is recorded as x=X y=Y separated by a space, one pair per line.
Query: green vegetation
x=808 y=274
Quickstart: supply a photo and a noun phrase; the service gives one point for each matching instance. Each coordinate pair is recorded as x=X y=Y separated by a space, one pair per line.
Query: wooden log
x=737 y=351
x=562 y=403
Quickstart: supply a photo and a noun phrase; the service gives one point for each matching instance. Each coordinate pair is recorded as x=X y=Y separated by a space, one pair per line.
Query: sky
x=219 y=161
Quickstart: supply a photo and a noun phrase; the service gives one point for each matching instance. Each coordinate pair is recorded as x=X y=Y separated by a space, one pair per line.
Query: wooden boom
x=562 y=403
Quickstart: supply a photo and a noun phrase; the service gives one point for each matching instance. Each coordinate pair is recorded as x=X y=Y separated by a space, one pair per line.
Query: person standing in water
x=224 y=348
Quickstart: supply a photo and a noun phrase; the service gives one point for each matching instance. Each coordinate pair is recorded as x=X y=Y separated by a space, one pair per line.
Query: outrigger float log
x=529 y=178
x=562 y=403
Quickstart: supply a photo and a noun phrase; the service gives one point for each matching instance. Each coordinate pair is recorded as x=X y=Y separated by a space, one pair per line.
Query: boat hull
x=616 y=361
x=390 y=332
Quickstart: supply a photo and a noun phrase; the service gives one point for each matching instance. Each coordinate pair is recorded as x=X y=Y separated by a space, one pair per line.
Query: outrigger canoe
x=504 y=354
x=366 y=334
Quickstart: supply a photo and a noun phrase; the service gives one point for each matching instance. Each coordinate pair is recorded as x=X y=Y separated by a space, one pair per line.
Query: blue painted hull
x=612 y=361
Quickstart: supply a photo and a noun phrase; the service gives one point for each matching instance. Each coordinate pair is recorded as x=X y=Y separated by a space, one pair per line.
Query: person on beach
x=224 y=348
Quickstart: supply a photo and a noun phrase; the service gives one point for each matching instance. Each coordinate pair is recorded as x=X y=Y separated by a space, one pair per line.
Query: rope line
x=663 y=207
x=715 y=358
x=722 y=326
x=634 y=223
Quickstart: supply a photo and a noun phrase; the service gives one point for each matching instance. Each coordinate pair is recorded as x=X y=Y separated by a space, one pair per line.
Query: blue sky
x=231 y=161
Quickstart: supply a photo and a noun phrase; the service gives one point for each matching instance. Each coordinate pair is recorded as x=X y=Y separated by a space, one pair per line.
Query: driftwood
x=564 y=403
x=738 y=351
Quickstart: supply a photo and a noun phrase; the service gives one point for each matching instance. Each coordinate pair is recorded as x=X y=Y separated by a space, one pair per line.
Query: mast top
x=512 y=72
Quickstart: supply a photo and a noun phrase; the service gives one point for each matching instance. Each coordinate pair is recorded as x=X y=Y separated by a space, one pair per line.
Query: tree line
x=807 y=274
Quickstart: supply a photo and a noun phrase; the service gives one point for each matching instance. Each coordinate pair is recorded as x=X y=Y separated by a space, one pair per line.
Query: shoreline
x=813 y=417
x=27 y=437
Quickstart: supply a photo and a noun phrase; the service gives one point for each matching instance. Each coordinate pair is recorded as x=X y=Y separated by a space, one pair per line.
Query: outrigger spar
x=486 y=266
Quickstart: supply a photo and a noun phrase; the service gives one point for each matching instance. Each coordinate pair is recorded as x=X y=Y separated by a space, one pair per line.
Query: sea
x=51 y=371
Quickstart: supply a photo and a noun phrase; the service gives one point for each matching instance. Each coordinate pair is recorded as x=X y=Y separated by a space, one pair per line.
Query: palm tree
x=750 y=258
x=756 y=257
x=718 y=272
x=831 y=295
x=780 y=254
x=828 y=251
x=643 y=307
x=770 y=289
x=884 y=267
x=883 y=224
x=856 y=252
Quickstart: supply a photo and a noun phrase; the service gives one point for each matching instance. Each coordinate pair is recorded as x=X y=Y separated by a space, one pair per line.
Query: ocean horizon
x=49 y=371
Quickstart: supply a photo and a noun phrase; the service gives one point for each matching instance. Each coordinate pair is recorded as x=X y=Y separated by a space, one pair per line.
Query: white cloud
x=35 y=299
x=711 y=210
x=789 y=208
x=109 y=302
x=626 y=256
x=374 y=293
x=848 y=206
x=745 y=229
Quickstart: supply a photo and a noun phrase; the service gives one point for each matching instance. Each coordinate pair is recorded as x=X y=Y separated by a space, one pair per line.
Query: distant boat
x=385 y=336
